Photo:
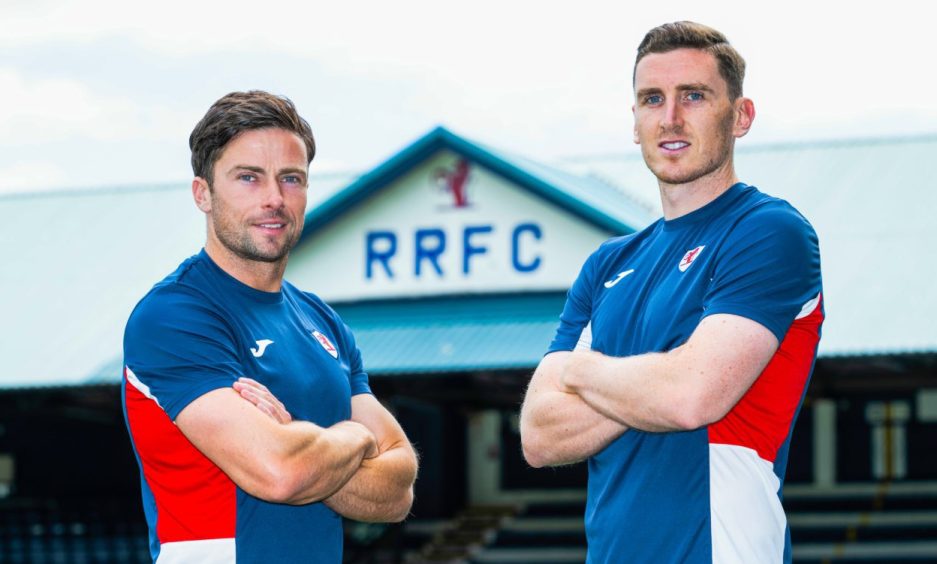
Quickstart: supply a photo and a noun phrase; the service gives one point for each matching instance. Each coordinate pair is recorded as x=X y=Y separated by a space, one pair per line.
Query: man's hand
x=381 y=489
x=259 y=395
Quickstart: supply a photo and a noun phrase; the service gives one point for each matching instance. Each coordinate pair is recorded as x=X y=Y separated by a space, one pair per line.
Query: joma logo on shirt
x=261 y=347
x=618 y=278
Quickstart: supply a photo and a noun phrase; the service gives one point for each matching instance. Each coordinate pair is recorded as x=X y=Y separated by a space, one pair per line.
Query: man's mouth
x=271 y=226
x=674 y=145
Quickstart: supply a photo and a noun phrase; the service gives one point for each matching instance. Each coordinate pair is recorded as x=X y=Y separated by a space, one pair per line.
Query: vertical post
x=889 y=451
x=7 y=474
x=484 y=457
x=824 y=442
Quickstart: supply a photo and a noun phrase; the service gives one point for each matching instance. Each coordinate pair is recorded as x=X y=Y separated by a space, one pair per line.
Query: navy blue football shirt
x=199 y=330
x=713 y=494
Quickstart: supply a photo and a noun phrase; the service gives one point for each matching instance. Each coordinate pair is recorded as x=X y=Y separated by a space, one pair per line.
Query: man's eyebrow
x=647 y=91
x=680 y=87
x=292 y=170
x=695 y=86
x=248 y=168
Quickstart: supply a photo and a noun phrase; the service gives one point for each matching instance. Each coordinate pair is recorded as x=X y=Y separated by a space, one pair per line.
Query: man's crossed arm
x=579 y=402
x=557 y=426
x=363 y=468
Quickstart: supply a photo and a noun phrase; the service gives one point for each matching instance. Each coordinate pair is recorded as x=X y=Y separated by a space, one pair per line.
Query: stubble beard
x=718 y=161
x=238 y=240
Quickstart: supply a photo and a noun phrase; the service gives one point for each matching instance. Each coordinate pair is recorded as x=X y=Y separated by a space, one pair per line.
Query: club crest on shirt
x=689 y=257
x=326 y=344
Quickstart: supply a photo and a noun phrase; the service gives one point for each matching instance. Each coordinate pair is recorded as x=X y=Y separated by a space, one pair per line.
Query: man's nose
x=273 y=194
x=673 y=115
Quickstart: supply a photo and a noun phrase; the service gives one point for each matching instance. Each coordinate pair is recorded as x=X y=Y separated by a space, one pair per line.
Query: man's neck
x=263 y=276
x=678 y=200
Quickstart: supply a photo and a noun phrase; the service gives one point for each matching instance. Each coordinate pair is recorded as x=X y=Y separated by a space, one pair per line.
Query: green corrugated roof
x=585 y=189
x=77 y=261
x=453 y=334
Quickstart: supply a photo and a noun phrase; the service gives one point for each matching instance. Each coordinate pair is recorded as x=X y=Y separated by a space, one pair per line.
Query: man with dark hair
x=247 y=404
x=684 y=350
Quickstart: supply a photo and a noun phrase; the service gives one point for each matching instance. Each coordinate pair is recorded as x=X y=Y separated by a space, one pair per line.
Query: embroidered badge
x=326 y=344
x=689 y=257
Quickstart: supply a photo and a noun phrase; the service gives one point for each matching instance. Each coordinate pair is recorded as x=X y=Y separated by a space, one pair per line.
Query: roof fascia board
x=436 y=140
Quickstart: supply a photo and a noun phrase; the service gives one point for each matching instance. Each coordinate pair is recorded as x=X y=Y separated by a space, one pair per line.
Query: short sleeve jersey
x=713 y=494
x=198 y=330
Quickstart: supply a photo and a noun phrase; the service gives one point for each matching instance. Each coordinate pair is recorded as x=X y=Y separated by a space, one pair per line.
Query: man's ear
x=744 y=116
x=201 y=193
x=635 y=118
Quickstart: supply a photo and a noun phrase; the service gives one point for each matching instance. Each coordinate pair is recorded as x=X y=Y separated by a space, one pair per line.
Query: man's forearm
x=297 y=462
x=633 y=391
x=558 y=427
x=381 y=490
x=682 y=389
x=337 y=452
x=376 y=482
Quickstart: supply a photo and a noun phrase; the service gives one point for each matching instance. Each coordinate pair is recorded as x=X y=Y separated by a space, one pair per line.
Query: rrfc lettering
x=430 y=244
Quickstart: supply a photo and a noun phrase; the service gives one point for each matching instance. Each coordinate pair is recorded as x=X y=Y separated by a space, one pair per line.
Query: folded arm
x=294 y=462
x=381 y=490
x=557 y=426
x=683 y=389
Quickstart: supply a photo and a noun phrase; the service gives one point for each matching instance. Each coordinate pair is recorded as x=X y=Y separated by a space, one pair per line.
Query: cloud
x=111 y=90
x=24 y=176
x=43 y=110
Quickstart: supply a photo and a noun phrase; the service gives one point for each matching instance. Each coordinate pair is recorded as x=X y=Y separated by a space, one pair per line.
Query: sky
x=103 y=93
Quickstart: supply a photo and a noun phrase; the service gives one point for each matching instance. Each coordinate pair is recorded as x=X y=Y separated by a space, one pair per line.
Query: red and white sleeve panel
x=195 y=502
x=745 y=443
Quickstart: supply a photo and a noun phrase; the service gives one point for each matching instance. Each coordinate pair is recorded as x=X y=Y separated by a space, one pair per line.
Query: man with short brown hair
x=684 y=350
x=246 y=399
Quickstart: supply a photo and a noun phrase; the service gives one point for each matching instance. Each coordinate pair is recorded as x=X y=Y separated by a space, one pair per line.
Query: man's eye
x=247 y=177
x=292 y=179
x=653 y=99
x=694 y=96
